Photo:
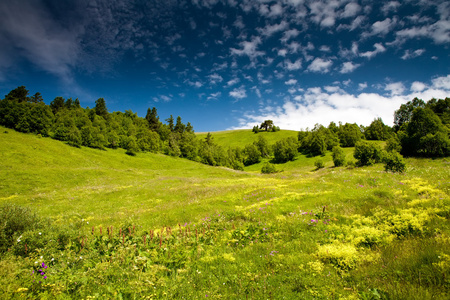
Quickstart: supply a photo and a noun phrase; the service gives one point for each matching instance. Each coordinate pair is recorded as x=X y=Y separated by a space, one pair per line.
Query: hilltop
x=243 y=137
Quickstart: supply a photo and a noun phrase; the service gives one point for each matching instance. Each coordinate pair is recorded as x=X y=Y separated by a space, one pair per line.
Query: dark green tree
x=285 y=150
x=425 y=135
x=404 y=113
x=349 y=135
x=179 y=126
x=377 y=130
x=19 y=94
x=267 y=125
x=263 y=146
x=153 y=119
x=57 y=104
x=37 y=98
x=170 y=123
x=100 y=108
x=251 y=155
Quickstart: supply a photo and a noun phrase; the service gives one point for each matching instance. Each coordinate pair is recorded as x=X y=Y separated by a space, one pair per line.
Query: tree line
x=420 y=129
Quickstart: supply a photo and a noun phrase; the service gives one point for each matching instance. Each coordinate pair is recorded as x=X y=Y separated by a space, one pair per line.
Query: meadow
x=99 y=224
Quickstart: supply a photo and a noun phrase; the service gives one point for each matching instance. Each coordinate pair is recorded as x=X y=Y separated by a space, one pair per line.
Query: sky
x=230 y=64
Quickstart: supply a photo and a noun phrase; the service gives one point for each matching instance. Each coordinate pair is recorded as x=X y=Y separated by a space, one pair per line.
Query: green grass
x=181 y=229
x=241 y=138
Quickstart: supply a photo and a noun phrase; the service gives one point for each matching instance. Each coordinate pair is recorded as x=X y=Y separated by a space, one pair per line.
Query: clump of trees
x=423 y=128
x=267 y=125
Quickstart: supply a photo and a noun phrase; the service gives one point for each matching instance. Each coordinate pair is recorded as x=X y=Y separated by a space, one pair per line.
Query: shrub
x=285 y=150
x=394 y=162
x=15 y=220
x=393 y=144
x=268 y=168
x=319 y=164
x=367 y=153
x=338 y=156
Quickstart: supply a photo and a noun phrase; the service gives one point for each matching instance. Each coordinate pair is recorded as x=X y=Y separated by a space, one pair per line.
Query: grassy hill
x=240 y=138
x=179 y=229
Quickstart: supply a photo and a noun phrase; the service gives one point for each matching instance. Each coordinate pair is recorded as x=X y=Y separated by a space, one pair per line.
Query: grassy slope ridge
x=240 y=138
x=261 y=236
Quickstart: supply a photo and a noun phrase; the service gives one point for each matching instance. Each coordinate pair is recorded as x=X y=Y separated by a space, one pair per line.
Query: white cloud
x=324 y=13
x=379 y=48
x=442 y=82
x=362 y=86
x=418 y=86
x=215 y=78
x=381 y=27
x=318 y=106
x=348 y=67
x=414 y=54
x=325 y=48
x=291 y=82
x=249 y=49
x=439 y=32
x=273 y=11
x=390 y=6
x=293 y=66
x=320 y=65
x=214 y=96
x=289 y=34
x=269 y=30
x=233 y=81
x=238 y=93
x=396 y=88
x=351 y=10
x=282 y=52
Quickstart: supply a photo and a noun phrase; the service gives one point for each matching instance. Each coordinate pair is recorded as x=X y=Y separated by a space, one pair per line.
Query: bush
x=285 y=150
x=338 y=156
x=394 y=162
x=393 y=144
x=268 y=168
x=15 y=220
x=319 y=164
x=367 y=153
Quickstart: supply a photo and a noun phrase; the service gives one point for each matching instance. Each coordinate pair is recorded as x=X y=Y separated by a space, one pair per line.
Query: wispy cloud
x=320 y=65
x=379 y=48
x=238 y=93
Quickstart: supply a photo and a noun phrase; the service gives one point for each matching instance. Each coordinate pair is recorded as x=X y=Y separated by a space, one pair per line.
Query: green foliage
x=318 y=163
x=377 y=130
x=338 y=156
x=263 y=146
x=404 y=114
x=425 y=135
x=317 y=141
x=268 y=168
x=15 y=220
x=252 y=155
x=393 y=145
x=394 y=162
x=367 y=153
x=285 y=150
x=267 y=125
x=349 y=134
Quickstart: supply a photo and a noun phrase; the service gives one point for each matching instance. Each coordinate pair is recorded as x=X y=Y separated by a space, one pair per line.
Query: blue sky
x=226 y=64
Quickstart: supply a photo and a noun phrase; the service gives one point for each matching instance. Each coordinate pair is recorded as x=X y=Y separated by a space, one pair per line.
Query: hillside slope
x=240 y=138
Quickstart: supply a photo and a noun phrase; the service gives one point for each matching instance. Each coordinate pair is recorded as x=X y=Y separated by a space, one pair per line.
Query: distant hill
x=240 y=138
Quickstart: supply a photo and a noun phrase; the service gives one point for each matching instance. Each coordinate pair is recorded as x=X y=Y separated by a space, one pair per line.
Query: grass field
x=157 y=227
x=241 y=138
